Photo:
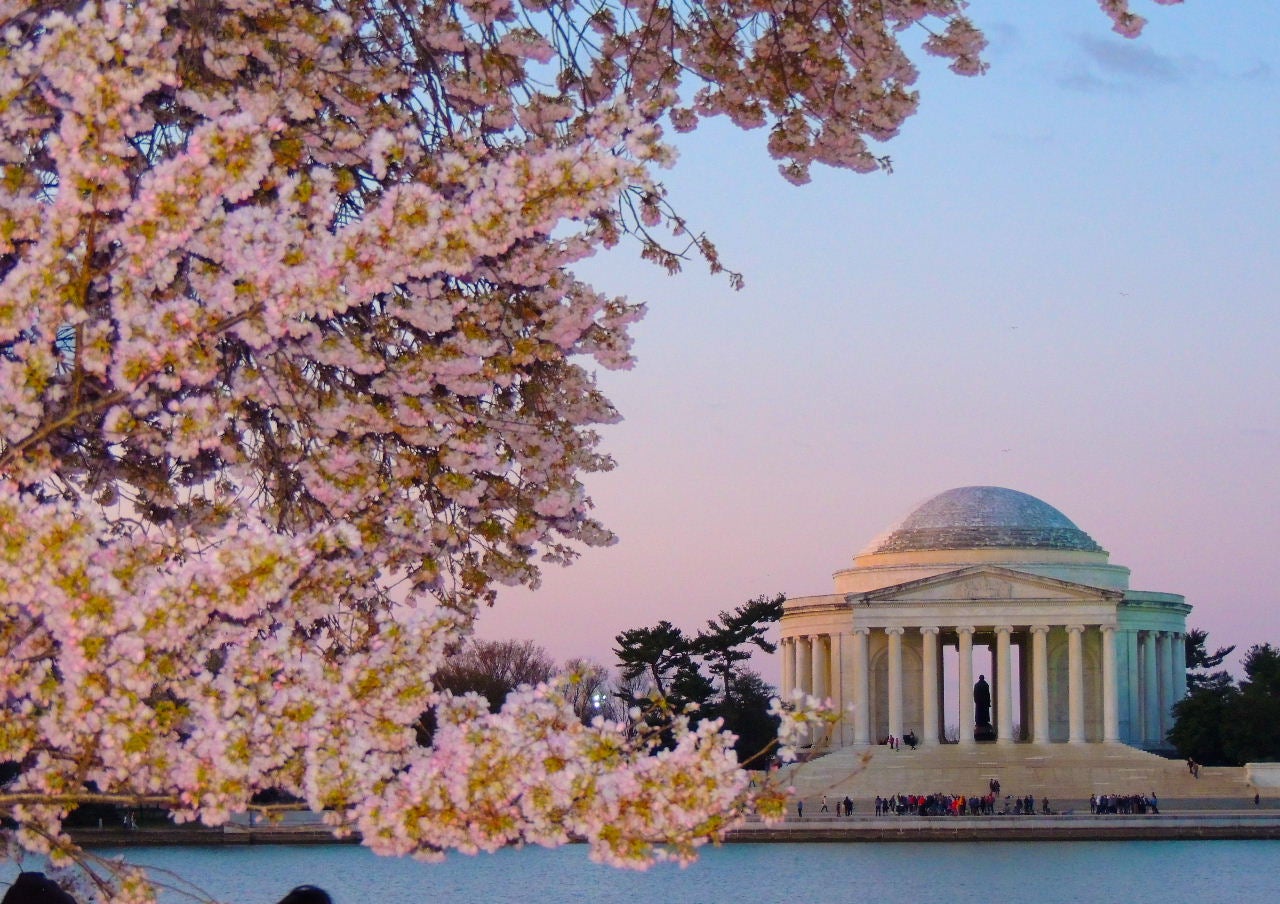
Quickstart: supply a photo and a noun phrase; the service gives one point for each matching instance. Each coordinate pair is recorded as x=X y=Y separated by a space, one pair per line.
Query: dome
x=983 y=518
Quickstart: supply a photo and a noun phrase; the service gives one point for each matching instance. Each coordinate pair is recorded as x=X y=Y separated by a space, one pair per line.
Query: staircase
x=1065 y=773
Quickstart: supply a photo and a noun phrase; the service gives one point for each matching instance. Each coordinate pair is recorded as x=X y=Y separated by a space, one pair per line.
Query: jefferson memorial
x=991 y=582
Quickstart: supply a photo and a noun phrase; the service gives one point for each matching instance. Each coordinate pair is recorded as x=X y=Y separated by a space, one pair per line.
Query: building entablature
x=985 y=583
x=988 y=621
x=1153 y=612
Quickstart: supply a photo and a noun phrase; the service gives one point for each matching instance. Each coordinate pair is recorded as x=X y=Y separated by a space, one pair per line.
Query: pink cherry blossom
x=295 y=372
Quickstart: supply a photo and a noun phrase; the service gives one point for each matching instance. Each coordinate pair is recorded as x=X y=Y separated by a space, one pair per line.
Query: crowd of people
x=989 y=804
x=1125 y=804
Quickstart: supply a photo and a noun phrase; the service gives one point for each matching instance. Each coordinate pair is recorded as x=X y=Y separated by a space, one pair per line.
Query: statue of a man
x=982 y=701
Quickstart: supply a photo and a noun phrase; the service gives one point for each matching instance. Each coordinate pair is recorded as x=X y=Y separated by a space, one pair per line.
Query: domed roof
x=983 y=518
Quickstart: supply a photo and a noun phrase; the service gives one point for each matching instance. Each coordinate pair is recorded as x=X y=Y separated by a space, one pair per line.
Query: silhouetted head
x=36 y=888
x=307 y=894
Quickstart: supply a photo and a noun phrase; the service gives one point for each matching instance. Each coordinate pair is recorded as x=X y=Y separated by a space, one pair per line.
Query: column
x=1075 y=684
x=1164 y=645
x=1040 y=683
x=929 y=686
x=1023 y=704
x=895 y=681
x=821 y=663
x=1180 y=667
x=1150 y=689
x=804 y=664
x=966 y=683
x=839 y=688
x=796 y=678
x=1177 y=670
x=861 y=688
x=1004 y=686
x=1110 y=702
x=1133 y=686
x=788 y=645
x=821 y=658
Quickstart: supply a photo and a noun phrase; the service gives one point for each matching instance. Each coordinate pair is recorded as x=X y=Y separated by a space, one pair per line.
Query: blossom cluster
x=1124 y=20
x=295 y=372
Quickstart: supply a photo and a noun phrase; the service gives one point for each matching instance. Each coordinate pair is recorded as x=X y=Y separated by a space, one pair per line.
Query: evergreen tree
x=662 y=654
x=1200 y=661
x=745 y=710
x=680 y=670
x=1201 y=717
x=1252 y=730
x=1220 y=723
x=724 y=644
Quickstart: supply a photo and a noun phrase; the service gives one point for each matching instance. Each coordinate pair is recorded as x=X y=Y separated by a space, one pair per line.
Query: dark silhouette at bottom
x=36 y=888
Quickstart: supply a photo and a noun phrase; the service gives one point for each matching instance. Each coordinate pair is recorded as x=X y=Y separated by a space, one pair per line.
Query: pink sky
x=1067 y=287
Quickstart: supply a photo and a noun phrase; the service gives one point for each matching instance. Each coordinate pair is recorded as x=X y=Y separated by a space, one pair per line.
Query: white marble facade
x=988 y=567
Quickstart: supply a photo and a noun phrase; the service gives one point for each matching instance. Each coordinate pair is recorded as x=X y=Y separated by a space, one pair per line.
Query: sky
x=1068 y=286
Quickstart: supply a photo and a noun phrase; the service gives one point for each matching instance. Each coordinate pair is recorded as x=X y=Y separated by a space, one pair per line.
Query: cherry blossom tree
x=295 y=372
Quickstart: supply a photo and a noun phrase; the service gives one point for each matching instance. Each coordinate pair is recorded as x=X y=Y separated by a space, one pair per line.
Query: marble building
x=987 y=580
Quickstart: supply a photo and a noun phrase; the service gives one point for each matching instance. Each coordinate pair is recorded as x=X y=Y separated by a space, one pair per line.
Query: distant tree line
x=495 y=668
x=1224 y=722
x=663 y=672
x=666 y=671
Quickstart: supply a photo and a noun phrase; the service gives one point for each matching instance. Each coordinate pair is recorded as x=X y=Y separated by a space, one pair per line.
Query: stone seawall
x=202 y=837
x=1238 y=825
x=1161 y=827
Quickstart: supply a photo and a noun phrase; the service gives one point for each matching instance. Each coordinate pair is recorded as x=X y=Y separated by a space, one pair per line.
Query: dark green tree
x=726 y=642
x=1201 y=718
x=745 y=710
x=663 y=654
x=1202 y=715
x=1252 y=731
x=706 y=670
x=1200 y=662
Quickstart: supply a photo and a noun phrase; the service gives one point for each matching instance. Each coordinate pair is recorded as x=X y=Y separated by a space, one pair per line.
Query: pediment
x=985 y=582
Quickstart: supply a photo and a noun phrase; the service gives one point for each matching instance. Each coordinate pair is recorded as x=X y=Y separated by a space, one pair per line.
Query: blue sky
x=1068 y=286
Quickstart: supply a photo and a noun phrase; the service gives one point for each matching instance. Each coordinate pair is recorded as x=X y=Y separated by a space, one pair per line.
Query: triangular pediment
x=985 y=582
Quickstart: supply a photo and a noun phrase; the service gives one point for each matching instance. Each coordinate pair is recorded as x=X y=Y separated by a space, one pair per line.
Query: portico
x=1072 y=654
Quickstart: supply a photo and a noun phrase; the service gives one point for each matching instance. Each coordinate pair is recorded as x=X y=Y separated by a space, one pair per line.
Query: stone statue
x=982 y=701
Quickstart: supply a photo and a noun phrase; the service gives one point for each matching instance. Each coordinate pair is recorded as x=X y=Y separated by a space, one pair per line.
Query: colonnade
x=1120 y=682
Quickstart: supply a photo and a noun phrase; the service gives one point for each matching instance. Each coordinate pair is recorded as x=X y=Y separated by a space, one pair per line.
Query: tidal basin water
x=1138 y=872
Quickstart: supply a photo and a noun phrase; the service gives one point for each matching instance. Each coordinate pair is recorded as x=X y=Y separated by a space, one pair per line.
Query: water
x=1138 y=872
